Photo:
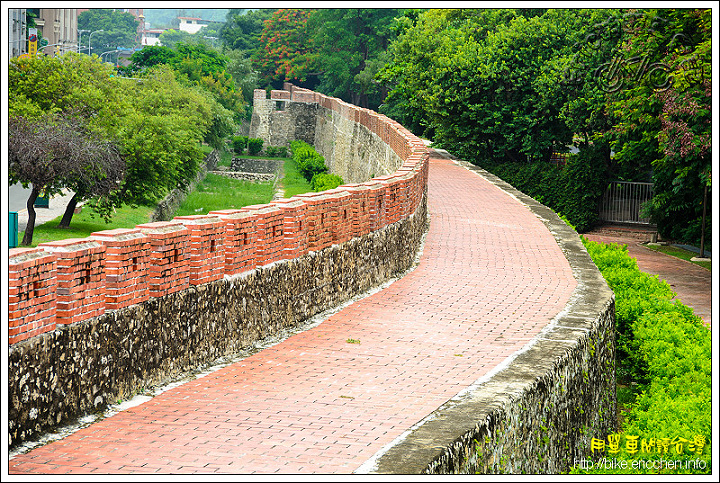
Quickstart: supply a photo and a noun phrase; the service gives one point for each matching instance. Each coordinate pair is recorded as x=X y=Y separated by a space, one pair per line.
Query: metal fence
x=623 y=201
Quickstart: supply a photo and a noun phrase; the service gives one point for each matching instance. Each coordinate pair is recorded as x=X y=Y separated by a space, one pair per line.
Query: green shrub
x=325 y=181
x=239 y=144
x=308 y=160
x=665 y=348
x=276 y=151
x=573 y=190
x=255 y=145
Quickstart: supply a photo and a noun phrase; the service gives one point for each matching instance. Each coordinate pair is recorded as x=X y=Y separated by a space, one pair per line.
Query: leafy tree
x=67 y=82
x=119 y=29
x=55 y=152
x=242 y=29
x=161 y=138
x=349 y=46
x=245 y=78
x=423 y=37
x=682 y=165
x=170 y=38
x=150 y=56
x=659 y=103
x=500 y=88
x=157 y=123
x=198 y=64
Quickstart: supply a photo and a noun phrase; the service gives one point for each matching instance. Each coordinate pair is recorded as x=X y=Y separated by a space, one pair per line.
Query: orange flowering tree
x=287 y=46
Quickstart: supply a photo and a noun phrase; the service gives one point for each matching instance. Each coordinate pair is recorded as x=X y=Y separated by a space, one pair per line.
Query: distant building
x=17 y=31
x=191 y=25
x=59 y=27
x=152 y=36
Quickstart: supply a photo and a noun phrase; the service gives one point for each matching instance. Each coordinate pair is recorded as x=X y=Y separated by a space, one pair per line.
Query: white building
x=191 y=25
x=17 y=32
x=152 y=36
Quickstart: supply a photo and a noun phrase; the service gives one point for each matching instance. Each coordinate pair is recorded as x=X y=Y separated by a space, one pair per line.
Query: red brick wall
x=72 y=280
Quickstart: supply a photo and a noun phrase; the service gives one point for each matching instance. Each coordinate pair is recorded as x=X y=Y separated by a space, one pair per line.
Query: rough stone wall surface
x=80 y=368
x=246 y=176
x=267 y=166
x=350 y=149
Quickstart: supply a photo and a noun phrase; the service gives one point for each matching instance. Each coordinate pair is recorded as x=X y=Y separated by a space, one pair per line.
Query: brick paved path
x=490 y=278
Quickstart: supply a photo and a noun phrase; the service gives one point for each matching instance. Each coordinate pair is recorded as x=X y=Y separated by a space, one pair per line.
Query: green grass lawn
x=679 y=253
x=293 y=182
x=85 y=223
x=217 y=192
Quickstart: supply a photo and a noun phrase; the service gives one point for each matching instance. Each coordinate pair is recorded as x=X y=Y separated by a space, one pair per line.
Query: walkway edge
x=553 y=395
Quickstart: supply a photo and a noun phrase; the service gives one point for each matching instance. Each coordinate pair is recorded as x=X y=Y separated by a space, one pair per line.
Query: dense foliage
x=109 y=28
x=573 y=190
x=349 y=48
x=666 y=351
x=629 y=88
x=156 y=121
x=286 y=46
x=56 y=151
x=311 y=166
x=242 y=29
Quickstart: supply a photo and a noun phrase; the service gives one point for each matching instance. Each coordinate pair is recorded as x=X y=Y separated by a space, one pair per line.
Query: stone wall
x=357 y=144
x=81 y=367
x=254 y=177
x=265 y=166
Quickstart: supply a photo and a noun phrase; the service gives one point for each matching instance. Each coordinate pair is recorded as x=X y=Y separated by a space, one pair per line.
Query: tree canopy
x=119 y=29
x=57 y=151
x=242 y=29
x=629 y=88
x=157 y=121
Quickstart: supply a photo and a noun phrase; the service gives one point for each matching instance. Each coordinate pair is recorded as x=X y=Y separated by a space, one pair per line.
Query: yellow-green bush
x=666 y=350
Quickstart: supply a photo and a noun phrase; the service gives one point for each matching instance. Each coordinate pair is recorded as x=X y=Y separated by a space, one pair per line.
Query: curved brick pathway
x=490 y=278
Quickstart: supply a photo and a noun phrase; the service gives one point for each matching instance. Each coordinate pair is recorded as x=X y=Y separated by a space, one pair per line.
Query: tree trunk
x=69 y=212
x=30 y=228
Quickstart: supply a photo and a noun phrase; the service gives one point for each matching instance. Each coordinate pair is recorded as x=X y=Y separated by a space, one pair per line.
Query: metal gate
x=623 y=200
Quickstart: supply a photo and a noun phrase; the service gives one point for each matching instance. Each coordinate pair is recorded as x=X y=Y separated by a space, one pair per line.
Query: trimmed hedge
x=574 y=190
x=312 y=167
x=325 y=181
x=666 y=350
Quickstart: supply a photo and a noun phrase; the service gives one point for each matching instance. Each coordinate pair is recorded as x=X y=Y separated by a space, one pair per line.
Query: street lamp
x=108 y=52
x=90 y=38
x=80 y=32
x=41 y=50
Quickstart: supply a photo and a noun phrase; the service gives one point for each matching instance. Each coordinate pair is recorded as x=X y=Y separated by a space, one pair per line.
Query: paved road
x=18 y=199
x=490 y=278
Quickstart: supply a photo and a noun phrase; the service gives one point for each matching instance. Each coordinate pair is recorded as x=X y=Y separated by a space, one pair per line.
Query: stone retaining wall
x=80 y=368
x=256 y=177
x=357 y=144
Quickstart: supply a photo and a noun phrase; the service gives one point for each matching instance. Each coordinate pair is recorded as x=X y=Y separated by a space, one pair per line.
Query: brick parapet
x=32 y=282
x=126 y=266
x=69 y=281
